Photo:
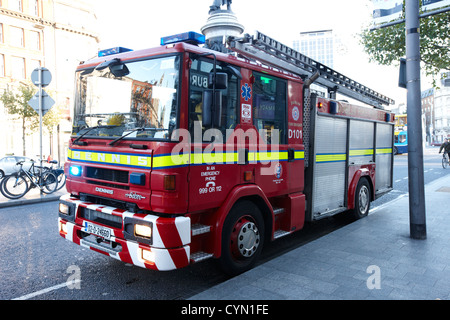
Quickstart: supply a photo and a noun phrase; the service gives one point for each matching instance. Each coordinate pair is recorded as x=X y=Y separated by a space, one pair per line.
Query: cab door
x=213 y=169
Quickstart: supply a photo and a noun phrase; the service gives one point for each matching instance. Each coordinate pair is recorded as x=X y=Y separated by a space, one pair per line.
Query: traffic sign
x=46 y=77
x=47 y=102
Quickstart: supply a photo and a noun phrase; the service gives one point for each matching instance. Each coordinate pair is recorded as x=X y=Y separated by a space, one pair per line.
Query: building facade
x=436 y=112
x=57 y=35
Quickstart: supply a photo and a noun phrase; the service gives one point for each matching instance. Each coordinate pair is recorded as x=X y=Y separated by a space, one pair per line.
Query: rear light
x=169 y=183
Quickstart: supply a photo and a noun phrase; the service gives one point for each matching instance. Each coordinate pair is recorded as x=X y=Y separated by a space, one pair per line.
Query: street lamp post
x=415 y=149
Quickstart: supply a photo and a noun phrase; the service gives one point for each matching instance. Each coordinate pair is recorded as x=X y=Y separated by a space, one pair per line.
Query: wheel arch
x=362 y=173
x=252 y=193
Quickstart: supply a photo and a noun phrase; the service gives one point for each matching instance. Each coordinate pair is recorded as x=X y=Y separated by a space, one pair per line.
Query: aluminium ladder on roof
x=273 y=53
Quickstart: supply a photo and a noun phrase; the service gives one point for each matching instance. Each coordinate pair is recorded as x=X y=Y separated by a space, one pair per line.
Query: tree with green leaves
x=387 y=45
x=16 y=104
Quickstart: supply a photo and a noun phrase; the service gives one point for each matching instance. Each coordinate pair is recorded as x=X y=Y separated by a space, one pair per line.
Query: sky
x=139 y=24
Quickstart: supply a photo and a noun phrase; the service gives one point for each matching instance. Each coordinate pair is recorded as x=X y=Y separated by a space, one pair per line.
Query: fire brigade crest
x=295 y=113
x=278 y=170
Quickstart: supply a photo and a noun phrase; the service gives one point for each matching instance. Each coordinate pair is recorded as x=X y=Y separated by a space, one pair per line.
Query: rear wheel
x=242 y=238
x=445 y=161
x=49 y=182
x=362 y=199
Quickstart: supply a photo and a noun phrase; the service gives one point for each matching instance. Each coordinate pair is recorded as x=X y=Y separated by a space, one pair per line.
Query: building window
x=16 y=5
x=16 y=36
x=34 y=7
x=35 y=40
x=35 y=64
x=1 y=33
x=18 y=68
x=2 y=65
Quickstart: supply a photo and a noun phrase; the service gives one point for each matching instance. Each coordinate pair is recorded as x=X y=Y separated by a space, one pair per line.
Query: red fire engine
x=180 y=153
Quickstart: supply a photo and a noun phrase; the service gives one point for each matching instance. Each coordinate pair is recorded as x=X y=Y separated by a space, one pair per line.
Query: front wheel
x=362 y=199
x=242 y=238
x=14 y=186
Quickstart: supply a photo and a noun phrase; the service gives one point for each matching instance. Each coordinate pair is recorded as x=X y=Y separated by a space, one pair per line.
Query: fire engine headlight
x=75 y=170
x=143 y=231
x=64 y=208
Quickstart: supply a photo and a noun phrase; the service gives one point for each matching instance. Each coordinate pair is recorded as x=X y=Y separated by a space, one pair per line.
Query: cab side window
x=269 y=107
x=199 y=72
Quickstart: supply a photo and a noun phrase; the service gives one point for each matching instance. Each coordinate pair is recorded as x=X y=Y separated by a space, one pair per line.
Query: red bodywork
x=282 y=189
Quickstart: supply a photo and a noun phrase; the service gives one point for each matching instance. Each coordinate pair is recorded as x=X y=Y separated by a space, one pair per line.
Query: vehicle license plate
x=97 y=230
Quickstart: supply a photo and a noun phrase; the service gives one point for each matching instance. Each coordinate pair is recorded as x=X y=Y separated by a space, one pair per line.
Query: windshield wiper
x=90 y=129
x=134 y=130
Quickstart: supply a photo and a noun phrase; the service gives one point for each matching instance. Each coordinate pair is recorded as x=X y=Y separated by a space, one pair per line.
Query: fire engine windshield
x=115 y=99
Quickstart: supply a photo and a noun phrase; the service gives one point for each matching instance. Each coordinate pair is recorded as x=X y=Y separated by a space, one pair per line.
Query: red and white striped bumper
x=167 y=249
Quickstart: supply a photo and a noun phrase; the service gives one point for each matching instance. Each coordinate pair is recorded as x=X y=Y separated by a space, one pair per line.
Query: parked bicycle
x=19 y=183
x=445 y=160
x=58 y=171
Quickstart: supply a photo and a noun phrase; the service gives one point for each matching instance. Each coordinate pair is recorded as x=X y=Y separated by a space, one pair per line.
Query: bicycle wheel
x=14 y=186
x=49 y=182
x=61 y=179
x=444 y=161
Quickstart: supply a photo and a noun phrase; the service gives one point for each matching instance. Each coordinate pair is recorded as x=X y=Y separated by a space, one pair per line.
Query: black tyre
x=445 y=162
x=49 y=182
x=61 y=179
x=242 y=238
x=14 y=186
x=362 y=199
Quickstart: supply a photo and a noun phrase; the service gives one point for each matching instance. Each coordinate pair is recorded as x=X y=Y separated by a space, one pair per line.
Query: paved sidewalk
x=33 y=196
x=373 y=258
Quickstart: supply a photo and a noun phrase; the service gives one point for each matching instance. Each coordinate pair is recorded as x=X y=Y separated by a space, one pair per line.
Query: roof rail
x=267 y=50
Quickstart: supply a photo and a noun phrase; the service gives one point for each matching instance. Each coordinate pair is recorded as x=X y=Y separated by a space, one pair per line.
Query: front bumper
x=168 y=248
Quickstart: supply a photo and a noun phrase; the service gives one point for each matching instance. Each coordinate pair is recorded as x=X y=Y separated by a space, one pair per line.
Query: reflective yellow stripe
x=384 y=150
x=361 y=152
x=168 y=161
x=330 y=157
x=176 y=160
x=120 y=159
x=267 y=156
x=299 y=155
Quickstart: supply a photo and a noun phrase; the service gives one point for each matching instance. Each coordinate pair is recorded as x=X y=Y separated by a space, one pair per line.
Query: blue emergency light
x=111 y=51
x=190 y=37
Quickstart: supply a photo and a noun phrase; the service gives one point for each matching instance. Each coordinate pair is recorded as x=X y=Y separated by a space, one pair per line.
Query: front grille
x=120 y=176
x=110 y=185
x=100 y=217
x=128 y=206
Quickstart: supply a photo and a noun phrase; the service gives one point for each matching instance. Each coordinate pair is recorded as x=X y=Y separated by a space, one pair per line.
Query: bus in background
x=400 y=142
x=401 y=134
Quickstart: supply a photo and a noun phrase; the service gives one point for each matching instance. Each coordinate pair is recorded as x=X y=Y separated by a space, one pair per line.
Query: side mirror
x=212 y=108
x=119 y=70
x=220 y=80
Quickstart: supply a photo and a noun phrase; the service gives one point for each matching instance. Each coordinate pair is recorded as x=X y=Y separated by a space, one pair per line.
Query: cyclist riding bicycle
x=446 y=147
